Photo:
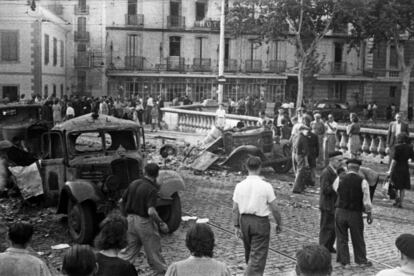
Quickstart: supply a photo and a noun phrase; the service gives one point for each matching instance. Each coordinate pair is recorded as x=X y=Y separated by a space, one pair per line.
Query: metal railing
x=253 y=66
x=134 y=19
x=176 y=22
x=81 y=10
x=277 y=66
x=175 y=63
x=81 y=36
x=202 y=64
x=230 y=65
x=134 y=63
x=337 y=68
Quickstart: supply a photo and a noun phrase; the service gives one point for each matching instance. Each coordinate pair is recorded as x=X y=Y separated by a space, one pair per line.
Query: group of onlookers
x=249 y=105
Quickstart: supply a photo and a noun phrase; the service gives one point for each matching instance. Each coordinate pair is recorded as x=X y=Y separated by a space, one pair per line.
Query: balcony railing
x=202 y=64
x=134 y=63
x=175 y=64
x=134 y=19
x=81 y=36
x=81 y=10
x=176 y=22
x=253 y=66
x=230 y=65
x=337 y=68
x=207 y=24
x=277 y=66
x=82 y=60
x=382 y=73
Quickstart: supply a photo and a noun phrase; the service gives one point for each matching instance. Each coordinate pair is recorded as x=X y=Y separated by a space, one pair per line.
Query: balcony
x=202 y=64
x=176 y=22
x=382 y=73
x=337 y=68
x=82 y=60
x=207 y=25
x=81 y=36
x=175 y=64
x=134 y=19
x=134 y=63
x=277 y=66
x=253 y=66
x=230 y=65
x=81 y=10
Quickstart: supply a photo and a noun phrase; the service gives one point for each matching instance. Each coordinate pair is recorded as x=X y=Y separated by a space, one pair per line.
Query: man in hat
x=301 y=153
x=327 y=201
x=318 y=128
x=280 y=121
x=405 y=244
x=353 y=199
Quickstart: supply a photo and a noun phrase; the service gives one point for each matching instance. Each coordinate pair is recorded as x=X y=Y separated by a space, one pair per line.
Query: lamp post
x=221 y=78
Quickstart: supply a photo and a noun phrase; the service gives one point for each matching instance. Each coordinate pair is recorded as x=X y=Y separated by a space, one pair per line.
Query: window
x=81 y=81
x=338 y=50
x=175 y=46
x=175 y=8
x=393 y=90
x=393 y=57
x=46 y=92
x=61 y=90
x=54 y=51
x=199 y=48
x=133 y=45
x=62 y=54
x=46 y=49
x=82 y=4
x=82 y=24
x=10 y=92
x=9 y=46
x=200 y=11
x=132 y=7
x=226 y=51
x=54 y=90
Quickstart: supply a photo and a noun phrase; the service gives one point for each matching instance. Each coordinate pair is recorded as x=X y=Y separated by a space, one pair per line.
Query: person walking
x=329 y=142
x=318 y=128
x=399 y=170
x=138 y=204
x=301 y=152
x=353 y=130
x=353 y=199
x=405 y=245
x=57 y=112
x=327 y=199
x=253 y=201
x=313 y=145
x=395 y=128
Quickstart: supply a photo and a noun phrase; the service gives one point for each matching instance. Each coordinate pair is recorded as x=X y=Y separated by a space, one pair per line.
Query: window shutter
x=9 y=46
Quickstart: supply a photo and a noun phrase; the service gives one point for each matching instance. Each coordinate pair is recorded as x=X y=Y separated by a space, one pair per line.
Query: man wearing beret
x=353 y=199
x=327 y=201
x=405 y=244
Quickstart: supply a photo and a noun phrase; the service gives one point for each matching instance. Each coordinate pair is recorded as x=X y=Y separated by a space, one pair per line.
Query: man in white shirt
x=330 y=137
x=353 y=199
x=253 y=201
x=221 y=117
x=405 y=244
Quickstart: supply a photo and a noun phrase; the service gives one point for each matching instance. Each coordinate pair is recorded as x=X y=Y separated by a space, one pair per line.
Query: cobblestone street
x=210 y=197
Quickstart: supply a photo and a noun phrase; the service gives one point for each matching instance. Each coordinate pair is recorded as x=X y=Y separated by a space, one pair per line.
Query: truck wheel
x=284 y=167
x=81 y=221
x=171 y=214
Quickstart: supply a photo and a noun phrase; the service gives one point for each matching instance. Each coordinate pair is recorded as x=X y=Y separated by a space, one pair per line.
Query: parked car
x=340 y=111
x=86 y=164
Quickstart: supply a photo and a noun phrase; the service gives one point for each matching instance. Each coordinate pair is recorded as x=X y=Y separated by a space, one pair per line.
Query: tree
x=302 y=22
x=389 y=22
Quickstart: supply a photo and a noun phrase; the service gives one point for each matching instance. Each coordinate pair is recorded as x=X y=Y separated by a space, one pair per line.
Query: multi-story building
x=33 y=51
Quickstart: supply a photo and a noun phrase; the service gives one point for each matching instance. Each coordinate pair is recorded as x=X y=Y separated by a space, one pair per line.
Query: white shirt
x=253 y=196
x=150 y=101
x=365 y=190
x=279 y=120
x=220 y=118
x=397 y=129
x=332 y=129
x=398 y=271
x=70 y=111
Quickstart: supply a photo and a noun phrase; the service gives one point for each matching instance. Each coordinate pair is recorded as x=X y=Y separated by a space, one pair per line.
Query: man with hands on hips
x=253 y=201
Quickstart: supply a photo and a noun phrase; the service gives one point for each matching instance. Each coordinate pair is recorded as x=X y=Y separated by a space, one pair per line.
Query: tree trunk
x=405 y=90
x=299 y=98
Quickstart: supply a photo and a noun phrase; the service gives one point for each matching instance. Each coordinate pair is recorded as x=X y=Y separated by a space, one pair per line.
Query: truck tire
x=171 y=214
x=81 y=221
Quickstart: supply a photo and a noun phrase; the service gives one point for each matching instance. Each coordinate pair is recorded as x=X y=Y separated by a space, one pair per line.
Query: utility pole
x=221 y=78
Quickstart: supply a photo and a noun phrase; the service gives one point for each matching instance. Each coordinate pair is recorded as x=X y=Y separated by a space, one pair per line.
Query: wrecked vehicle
x=232 y=149
x=86 y=164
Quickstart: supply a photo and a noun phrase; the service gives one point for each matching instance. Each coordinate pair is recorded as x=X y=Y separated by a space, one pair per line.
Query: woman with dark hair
x=200 y=242
x=353 y=130
x=399 y=170
x=110 y=240
x=79 y=260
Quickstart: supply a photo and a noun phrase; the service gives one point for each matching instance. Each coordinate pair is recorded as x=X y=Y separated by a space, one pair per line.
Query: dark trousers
x=352 y=220
x=327 y=229
x=256 y=236
x=372 y=191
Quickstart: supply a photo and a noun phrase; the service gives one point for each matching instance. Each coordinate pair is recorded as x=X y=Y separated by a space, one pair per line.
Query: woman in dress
x=399 y=170
x=110 y=240
x=200 y=242
x=57 y=112
x=353 y=131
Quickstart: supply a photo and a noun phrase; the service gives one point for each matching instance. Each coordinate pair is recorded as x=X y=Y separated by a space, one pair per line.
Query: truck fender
x=79 y=191
x=241 y=151
x=170 y=182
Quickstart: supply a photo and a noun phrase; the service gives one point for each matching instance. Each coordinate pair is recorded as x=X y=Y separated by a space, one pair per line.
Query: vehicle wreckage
x=84 y=165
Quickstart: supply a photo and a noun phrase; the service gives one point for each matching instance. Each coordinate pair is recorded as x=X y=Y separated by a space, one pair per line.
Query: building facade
x=33 y=53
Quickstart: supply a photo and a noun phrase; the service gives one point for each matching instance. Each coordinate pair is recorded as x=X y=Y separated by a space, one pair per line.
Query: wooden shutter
x=9 y=46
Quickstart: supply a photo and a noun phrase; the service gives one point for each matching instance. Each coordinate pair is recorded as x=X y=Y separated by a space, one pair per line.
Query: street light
x=221 y=78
